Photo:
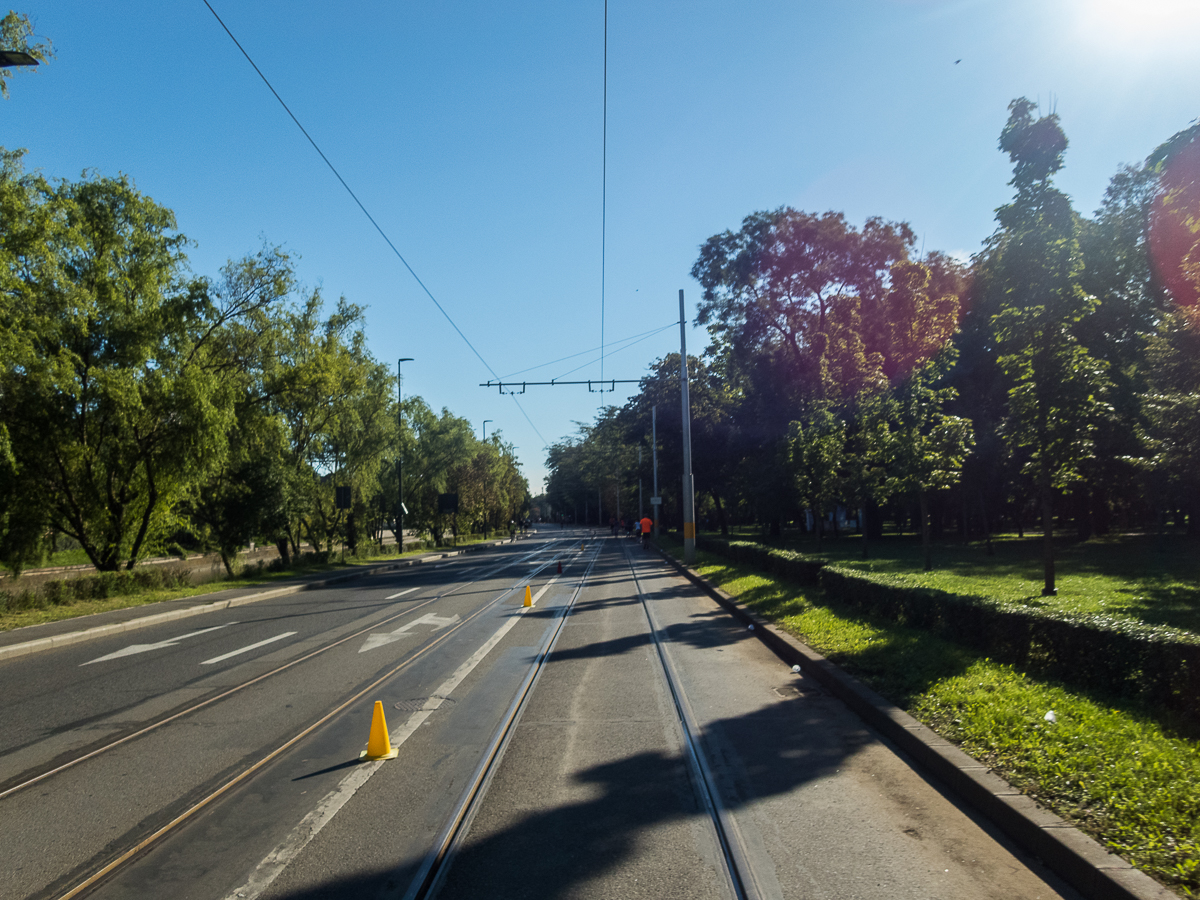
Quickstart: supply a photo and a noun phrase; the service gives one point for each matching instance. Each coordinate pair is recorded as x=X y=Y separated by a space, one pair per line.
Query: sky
x=474 y=135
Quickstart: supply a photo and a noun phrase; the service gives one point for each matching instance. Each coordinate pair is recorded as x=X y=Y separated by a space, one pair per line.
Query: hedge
x=1155 y=664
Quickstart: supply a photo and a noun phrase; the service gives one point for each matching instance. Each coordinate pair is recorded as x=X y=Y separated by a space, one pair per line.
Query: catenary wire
x=633 y=337
x=366 y=213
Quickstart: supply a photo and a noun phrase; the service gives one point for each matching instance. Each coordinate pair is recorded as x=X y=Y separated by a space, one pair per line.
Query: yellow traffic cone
x=528 y=596
x=378 y=744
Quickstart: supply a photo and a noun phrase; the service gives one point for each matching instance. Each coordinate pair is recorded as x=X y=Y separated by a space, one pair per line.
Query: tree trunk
x=925 y=530
x=720 y=514
x=285 y=551
x=820 y=523
x=987 y=531
x=864 y=529
x=1048 y=542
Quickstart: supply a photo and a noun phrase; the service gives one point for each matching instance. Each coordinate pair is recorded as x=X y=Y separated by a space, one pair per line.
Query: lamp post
x=400 y=454
x=485 y=421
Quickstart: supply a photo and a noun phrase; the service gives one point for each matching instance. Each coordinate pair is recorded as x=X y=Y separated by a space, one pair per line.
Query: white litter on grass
x=1050 y=716
x=796 y=669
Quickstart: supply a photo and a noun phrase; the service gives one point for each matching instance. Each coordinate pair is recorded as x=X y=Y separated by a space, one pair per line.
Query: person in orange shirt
x=646 y=524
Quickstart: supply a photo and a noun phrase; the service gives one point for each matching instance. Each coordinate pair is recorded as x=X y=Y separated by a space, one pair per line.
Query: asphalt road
x=592 y=796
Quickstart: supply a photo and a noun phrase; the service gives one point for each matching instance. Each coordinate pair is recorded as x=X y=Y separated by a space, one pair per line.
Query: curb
x=1068 y=852
x=76 y=637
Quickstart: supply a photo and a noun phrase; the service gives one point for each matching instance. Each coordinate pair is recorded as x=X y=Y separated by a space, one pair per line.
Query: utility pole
x=654 y=456
x=400 y=455
x=640 y=514
x=689 y=511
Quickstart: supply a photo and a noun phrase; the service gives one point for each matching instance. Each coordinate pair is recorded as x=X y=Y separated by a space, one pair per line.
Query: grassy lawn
x=1122 y=774
x=1153 y=578
x=18 y=612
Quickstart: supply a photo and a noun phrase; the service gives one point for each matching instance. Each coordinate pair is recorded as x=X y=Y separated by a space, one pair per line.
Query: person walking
x=646 y=524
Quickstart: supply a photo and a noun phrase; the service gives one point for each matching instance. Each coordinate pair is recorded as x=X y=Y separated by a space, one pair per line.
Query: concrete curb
x=1071 y=854
x=76 y=637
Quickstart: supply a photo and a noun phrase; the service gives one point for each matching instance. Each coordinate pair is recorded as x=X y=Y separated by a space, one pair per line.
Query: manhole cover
x=423 y=703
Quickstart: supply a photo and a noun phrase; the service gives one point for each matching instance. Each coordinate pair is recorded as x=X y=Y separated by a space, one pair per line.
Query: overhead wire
x=614 y=352
x=633 y=337
x=604 y=190
x=367 y=213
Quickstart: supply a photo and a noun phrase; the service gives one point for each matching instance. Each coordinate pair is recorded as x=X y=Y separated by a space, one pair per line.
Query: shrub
x=1155 y=664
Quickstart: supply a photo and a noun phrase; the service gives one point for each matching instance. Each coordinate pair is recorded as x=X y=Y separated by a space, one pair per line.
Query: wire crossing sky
x=473 y=132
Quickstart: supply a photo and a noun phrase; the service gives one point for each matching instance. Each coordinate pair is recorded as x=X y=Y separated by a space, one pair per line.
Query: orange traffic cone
x=379 y=746
x=528 y=596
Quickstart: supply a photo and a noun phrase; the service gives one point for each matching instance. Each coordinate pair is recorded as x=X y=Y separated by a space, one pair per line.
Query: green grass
x=1151 y=578
x=1121 y=773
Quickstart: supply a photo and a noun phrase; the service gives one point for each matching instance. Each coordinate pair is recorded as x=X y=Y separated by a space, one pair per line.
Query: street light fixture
x=400 y=510
x=485 y=421
x=15 y=58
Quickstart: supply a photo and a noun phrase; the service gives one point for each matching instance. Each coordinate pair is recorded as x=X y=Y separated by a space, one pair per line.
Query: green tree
x=923 y=447
x=113 y=396
x=817 y=449
x=1032 y=268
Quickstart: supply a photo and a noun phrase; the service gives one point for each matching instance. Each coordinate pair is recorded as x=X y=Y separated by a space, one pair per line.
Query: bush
x=1155 y=664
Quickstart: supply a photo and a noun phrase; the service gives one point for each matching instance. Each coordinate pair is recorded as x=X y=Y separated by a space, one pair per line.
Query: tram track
x=740 y=879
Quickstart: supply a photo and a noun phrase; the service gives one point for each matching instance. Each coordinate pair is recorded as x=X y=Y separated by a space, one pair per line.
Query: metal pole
x=600 y=506
x=485 y=421
x=689 y=512
x=640 y=515
x=400 y=455
x=654 y=457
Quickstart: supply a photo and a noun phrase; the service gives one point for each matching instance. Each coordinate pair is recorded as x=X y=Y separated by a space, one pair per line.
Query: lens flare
x=1175 y=225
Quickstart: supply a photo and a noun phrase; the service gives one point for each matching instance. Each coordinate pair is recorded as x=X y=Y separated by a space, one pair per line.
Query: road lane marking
x=401 y=594
x=225 y=656
x=381 y=640
x=145 y=648
x=322 y=814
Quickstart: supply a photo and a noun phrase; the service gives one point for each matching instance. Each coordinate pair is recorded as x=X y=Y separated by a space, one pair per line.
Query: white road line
x=225 y=656
x=380 y=640
x=310 y=826
x=401 y=594
x=143 y=648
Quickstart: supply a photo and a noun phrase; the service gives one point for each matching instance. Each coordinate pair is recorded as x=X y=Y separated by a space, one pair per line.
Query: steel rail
x=733 y=848
x=201 y=704
x=436 y=863
x=126 y=856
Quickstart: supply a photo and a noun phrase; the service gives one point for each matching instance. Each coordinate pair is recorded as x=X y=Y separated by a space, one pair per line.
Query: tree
x=16 y=33
x=796 y=288
x=1173 y=407
x=1032 y=268
x=114 y=399
x=818 y=456
x=923 y=447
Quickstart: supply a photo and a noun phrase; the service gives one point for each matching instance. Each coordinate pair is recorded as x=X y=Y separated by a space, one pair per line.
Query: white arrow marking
x=381 y=640
x=401 y=594
x=225 y=656
x=143 y=648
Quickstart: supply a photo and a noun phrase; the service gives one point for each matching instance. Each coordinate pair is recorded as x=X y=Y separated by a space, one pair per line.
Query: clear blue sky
x=472 y=131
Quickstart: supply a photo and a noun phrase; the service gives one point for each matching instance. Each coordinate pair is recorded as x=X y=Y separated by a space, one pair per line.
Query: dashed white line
x=133 y=649
x=401 y=593
x=225 y=656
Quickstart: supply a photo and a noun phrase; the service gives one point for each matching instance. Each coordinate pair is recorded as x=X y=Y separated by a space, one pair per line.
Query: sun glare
x=1143 y=27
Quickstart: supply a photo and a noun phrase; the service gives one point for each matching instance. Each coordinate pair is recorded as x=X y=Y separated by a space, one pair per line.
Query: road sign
x=656 y=501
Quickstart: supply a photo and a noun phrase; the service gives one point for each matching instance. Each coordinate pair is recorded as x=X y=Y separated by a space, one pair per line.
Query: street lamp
x=400 y=455
x=485 y=421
